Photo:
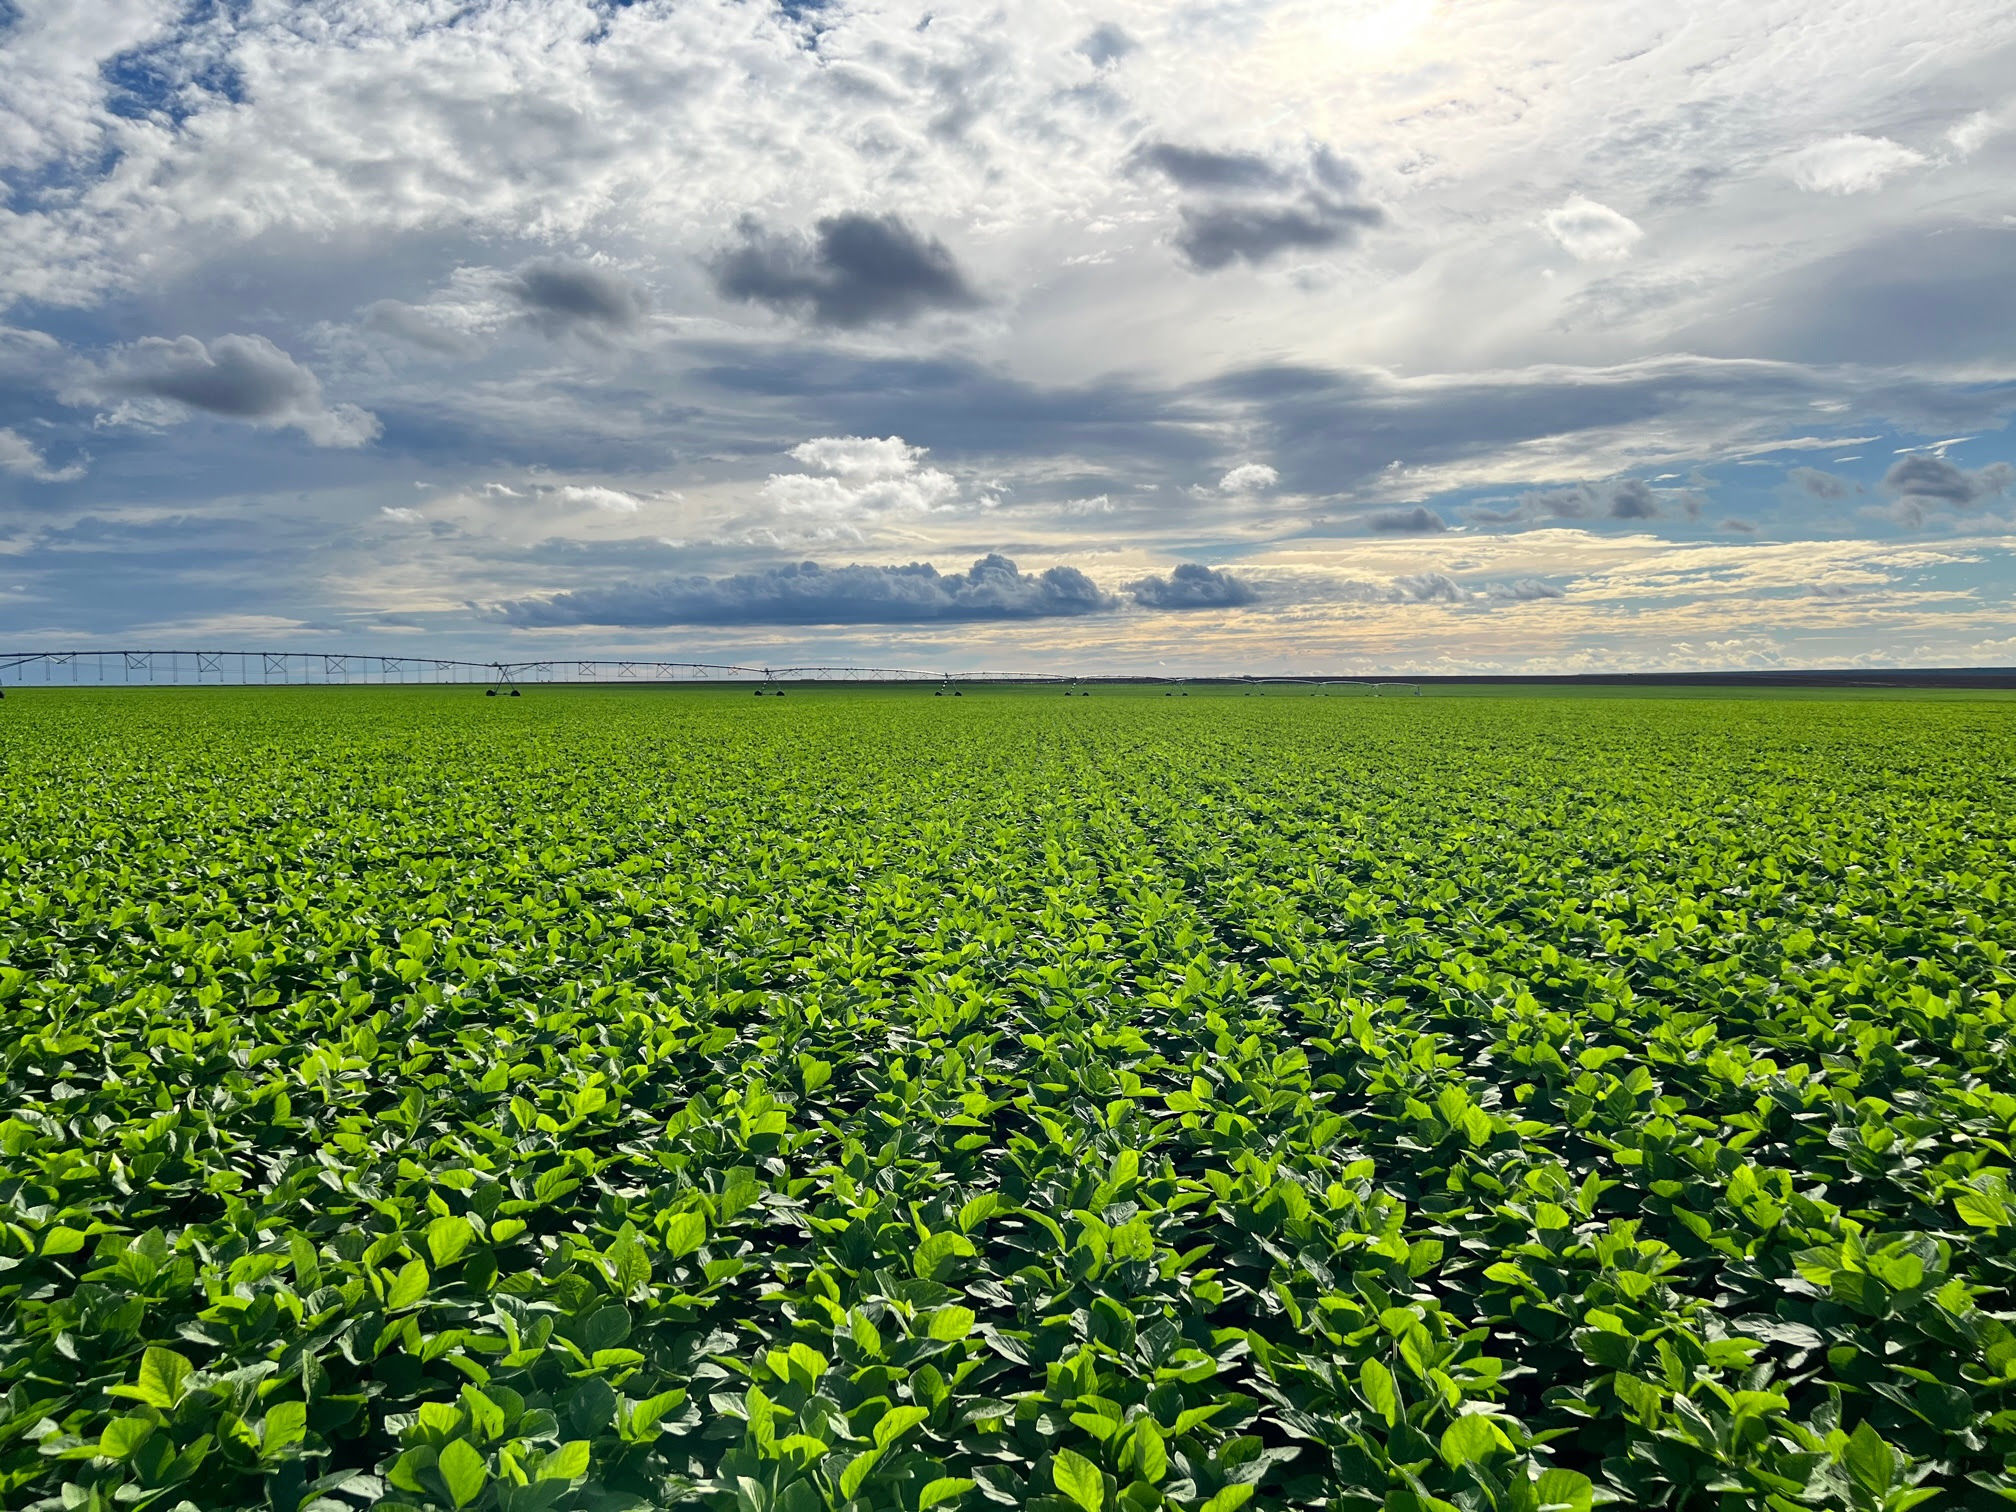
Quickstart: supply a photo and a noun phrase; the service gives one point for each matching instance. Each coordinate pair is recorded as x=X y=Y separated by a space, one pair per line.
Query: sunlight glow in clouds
x=1387 y=30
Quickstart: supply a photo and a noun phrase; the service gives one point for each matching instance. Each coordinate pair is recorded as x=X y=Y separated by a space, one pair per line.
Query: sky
x=1214 y=336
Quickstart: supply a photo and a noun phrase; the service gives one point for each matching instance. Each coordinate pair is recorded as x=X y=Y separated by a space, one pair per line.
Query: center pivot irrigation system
x=92 y=669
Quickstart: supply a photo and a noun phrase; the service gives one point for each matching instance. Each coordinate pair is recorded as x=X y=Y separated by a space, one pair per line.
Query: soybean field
x=639 y=1098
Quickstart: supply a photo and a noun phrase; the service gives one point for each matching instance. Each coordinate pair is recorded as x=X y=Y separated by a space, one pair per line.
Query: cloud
x=861 y=475
x=23 y=458
x=1107 y=44
x=1593 y=232
x=1923 y=481
x=1734 y=526
x=403 y=515
x=240 y=377
x=1330 y=429
x=1522 y=591
x=860 y=457
x=1191 y=585
x=1248 y=477
x=1619 y=499
x=1816 y=484
x=1419 y=519
x=993 y=588
x=1969 y=136
x=1241 y=207
x=855 y=270
x=1633 y=499
x=593 y=496
x=1849 y=164
x=559 y=296
x=1198 y=168
x=1428 y=588
x=1441 y=588
x=1215 y=238
x=420 y=327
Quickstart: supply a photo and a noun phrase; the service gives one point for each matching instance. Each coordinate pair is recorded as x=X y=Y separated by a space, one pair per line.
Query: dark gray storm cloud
x=1192 y=585
x=1212 y=238
x=805 y=593
x=854 y=270
x=1240 y=207
x=244 y=377
x=240 y=377
x=1198 y=168
x=1418 y=520
x=1633 y=499
x=1619 y=499
x=1815 y=484
x=560 y=295
x=1929 y=480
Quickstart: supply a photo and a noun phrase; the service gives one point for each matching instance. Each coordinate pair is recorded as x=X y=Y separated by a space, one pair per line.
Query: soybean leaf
x=1078 y=1478
x=462 y=1471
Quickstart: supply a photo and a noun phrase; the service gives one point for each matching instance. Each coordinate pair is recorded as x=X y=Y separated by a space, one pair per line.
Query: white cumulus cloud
x=1592 y=232
x=1969 y=136
x=861 y=475
x=1248 y=477
x=1849 y=164
x=859 y=457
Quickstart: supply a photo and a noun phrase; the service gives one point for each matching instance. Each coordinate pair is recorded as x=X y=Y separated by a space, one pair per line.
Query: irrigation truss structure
x=178 y=668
